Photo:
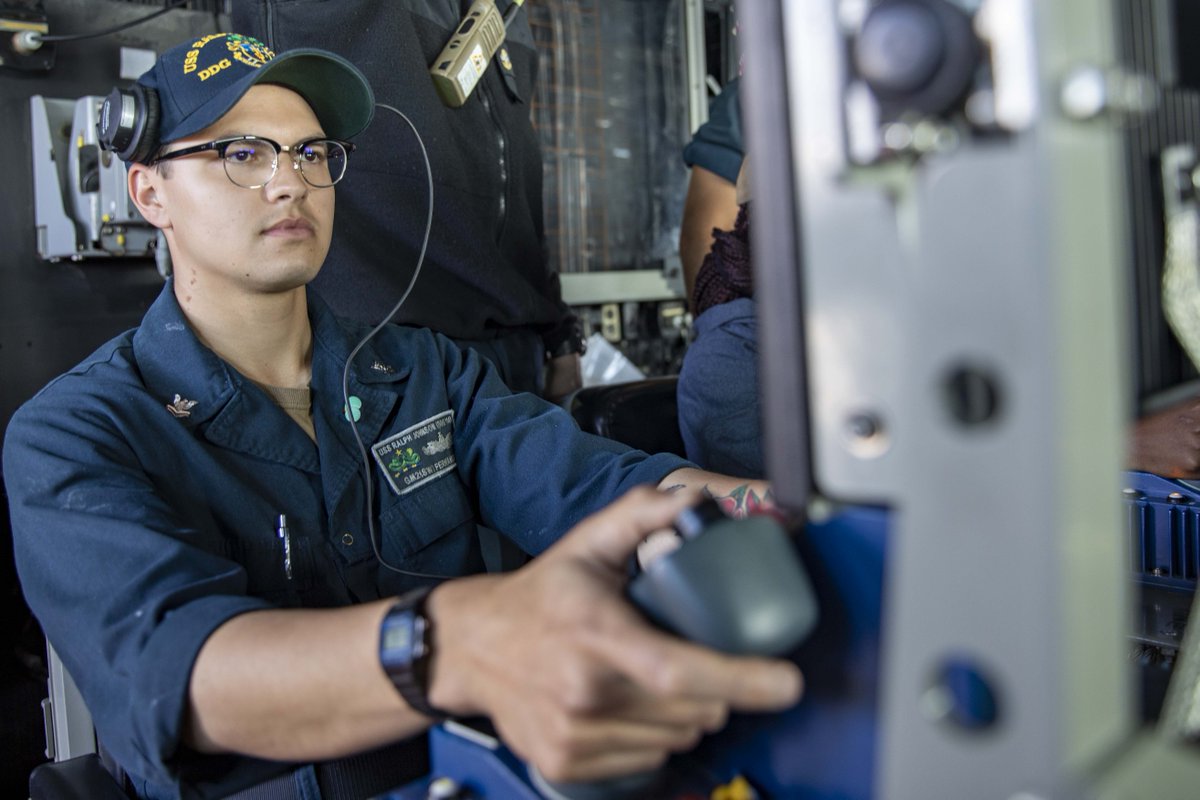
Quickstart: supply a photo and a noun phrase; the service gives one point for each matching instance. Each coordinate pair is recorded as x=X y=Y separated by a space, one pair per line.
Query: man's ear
x=144 y=185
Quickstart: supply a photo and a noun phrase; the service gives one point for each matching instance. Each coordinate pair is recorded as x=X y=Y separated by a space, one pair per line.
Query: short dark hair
x=161 y=167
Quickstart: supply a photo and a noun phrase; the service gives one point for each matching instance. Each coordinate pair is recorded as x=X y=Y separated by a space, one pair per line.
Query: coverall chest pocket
x=278 y=568
x=429 y=524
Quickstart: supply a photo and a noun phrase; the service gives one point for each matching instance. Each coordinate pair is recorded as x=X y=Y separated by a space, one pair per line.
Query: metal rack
x=616 y=103
x=612 y=112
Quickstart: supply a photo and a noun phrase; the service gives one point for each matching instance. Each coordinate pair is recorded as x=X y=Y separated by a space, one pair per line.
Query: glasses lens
x=250 y=162
x=322 y=161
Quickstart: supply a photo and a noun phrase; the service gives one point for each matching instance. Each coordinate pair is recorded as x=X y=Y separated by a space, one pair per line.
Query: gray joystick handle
x=737 y=586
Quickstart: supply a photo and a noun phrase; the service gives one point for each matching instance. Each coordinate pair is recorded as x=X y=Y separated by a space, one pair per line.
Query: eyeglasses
x=251 y=161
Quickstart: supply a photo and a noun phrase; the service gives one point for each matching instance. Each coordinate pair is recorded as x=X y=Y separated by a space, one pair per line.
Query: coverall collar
x=207 y=395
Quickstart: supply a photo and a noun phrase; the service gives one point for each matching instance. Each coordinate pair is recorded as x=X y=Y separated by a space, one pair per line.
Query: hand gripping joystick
x=735 y=585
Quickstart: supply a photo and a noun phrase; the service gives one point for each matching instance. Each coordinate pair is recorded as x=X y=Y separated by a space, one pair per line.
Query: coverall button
x=347 y=539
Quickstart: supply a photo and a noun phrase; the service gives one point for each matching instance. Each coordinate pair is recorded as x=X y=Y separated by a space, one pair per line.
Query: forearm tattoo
x=743 y=501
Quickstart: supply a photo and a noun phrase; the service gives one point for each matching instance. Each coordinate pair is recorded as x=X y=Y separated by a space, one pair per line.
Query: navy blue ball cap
x=199 y=81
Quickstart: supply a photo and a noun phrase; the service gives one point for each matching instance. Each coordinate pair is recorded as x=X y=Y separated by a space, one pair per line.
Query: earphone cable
x=368 y=473
x=74 y=37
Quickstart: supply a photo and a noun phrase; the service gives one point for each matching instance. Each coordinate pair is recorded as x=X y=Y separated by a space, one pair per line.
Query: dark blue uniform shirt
x=145 y=487
x=717 y=144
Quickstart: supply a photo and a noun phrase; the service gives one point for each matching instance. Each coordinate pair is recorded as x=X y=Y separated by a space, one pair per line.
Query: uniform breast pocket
x=277 y=570
x=431 y=528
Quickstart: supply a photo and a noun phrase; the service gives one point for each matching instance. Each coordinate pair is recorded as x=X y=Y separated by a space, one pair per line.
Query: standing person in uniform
x=486 y=282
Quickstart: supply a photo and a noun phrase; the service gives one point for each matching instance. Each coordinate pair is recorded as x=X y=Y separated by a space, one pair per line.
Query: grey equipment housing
x=82 y=208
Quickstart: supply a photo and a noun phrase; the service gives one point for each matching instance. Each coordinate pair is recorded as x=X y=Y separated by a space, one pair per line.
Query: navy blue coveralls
x=145 y=487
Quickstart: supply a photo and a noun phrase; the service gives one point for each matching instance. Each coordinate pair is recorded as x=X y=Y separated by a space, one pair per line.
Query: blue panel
x=488 y=774
x=824 y=749
x=1163 y=519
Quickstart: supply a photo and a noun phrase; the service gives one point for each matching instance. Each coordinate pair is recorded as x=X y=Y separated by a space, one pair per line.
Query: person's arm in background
x=564 y=348
x=564 y=374
x=1167 y=443
x=573 y=677
x=715 y=157
x=711 y=202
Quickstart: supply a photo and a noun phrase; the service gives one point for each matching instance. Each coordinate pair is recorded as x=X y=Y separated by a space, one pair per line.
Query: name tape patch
x=417 y=455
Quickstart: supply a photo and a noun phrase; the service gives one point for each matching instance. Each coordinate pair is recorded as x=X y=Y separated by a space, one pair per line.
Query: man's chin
x=285 y=277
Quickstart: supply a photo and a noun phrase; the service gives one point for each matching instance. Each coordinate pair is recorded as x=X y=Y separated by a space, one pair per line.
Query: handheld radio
x=457 y=69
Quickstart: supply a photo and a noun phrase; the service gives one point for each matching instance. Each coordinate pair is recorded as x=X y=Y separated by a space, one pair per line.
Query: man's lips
x=290 y=227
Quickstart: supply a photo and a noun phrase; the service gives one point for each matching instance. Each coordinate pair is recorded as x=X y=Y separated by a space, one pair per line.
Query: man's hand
x=1168 y=443
x=572 y=676
x=564 y=374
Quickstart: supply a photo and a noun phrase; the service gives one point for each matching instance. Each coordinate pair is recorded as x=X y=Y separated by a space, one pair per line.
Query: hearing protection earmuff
x=128 y=123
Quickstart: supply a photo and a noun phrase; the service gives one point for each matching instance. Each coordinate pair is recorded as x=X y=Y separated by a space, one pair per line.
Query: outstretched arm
x=296 y=685
x=583 y=687
x=572 y=676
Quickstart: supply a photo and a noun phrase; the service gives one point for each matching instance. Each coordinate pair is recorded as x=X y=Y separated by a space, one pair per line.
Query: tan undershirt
x=297 y=403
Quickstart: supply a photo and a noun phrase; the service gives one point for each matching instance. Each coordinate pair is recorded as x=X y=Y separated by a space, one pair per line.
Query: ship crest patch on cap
x=248 y=50
x=244 y=49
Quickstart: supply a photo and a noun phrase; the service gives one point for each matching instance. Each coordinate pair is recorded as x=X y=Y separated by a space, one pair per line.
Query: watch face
x=397 y=637
x=404 y=652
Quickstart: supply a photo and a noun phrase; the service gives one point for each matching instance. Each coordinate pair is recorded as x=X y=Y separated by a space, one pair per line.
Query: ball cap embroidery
x=199 y=81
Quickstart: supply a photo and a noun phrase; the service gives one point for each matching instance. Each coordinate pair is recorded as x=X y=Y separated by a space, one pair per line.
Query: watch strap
x=574 y=344
x=406 y=648
x=565 y=338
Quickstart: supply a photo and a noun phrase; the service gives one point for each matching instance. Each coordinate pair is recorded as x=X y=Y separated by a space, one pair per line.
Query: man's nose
x=288 y=182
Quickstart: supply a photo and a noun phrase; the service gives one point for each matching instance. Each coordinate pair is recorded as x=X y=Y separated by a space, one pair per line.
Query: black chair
x=642 y=414
x=79 y=773
x=79 y=778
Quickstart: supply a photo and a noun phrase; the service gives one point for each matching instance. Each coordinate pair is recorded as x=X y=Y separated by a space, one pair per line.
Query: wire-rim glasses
x=252 y=161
